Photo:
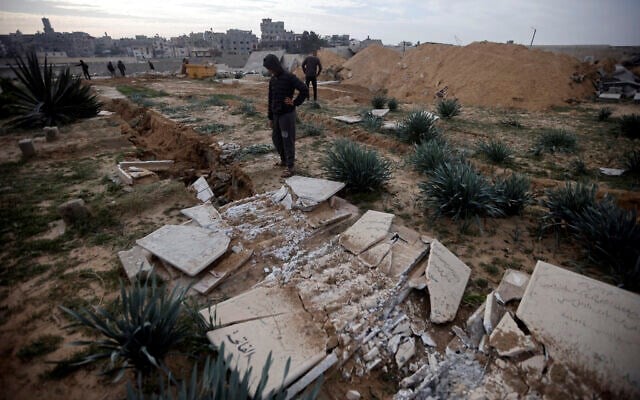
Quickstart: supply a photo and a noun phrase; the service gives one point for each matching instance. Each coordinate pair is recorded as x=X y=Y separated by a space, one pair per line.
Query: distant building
x=273 y=36
x=337 y=40
x=237 y=41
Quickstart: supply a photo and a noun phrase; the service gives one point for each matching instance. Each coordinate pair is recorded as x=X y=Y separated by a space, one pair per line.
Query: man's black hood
x=272 y=63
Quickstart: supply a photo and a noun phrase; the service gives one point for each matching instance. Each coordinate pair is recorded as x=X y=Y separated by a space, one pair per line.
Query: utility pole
x=532 y=37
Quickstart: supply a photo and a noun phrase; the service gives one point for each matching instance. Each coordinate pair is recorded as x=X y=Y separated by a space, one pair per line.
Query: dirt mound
x=331 y=64
x=480 y=74
x=371 y=67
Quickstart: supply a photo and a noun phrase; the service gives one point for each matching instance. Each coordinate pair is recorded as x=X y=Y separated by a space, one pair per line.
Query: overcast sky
x=615 y=22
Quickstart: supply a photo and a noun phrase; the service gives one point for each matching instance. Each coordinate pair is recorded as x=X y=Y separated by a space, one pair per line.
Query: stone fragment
x=374 y=255
x=405 y=257
x=190 y=249
x=311 y=376
x=370 y=229
x=353 y=395
x=51 y=133
x=390 y=125
x=475 y=326
x=459 y=332
x=512 y=286
x=204 y=214
x=403 y=328
x=586 y=323
x=74 y=212
x=373 y=364
x=508 y=339
x=534 y=366
x=483 y=346
x=417 y=377
x=135 y=263
x=222 y=271
x=492 y=313
x=27 y=148
x=408 y=235
x=349 y=119
x=152 y=165
x=447 y=278
x=611 y=171
x=455 y=346
x=279 y=194
x=380 y=112
x=427 y=340
x=313 y=189
x=371 y=354
x=394 y=343
x=202 y=189
x=406 y=350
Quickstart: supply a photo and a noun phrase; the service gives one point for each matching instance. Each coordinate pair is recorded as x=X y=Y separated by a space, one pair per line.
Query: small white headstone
x=314 y=189
x=202 y=189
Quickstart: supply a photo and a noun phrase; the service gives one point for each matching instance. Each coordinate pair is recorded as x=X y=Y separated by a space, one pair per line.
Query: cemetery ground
x=45 y=264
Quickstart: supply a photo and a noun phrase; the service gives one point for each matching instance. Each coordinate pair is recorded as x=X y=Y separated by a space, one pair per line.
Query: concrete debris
x=373 y=364
x=313 y=374
x=427 y=340
x=349 y=119
x=190 y=249
x=459 y=332
x=403 y=328
x=512 y=286
x=51 y=133
x=447 y=278
x=380 y=112
x=417 y=377
x=391 y=125
x=27 y=148
x=475 y=326
x=370 y=229
x=405 y=352
x=405 y=257
x=455 y=346
x=611 y=171
x=104 y=113
x=509 y=340
x=483 y=346
x=374 y=256
x=74 y=212
x=135 y=263
x=205 y=215
x=353 y=395
x=534 y=366
x=313 y=189
x=371 y=354
x=222 y=270
x=279 y=194
x=408 y=235
x=492 y=313
x=586 y=323
x=202 y=189
x=131 y=175
x=394 y=343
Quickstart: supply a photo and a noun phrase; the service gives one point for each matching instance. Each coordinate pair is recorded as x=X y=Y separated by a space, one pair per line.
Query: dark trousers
x=284 y=137
x=86 y=73
x=121 y=71
x=313 y=80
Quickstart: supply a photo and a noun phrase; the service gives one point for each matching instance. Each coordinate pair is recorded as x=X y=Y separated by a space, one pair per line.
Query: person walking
x=112 y=69
x=151 y=66
x=121 y=67
x=85 y=69
x=312 y=67
x=282 y=111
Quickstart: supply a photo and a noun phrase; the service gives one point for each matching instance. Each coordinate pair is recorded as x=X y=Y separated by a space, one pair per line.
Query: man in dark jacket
x=311 y=67
x=112 y=69
x=85 y=69
x=121 y=67
x=282 y=110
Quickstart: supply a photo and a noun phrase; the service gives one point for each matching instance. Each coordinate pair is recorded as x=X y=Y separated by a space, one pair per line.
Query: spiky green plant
x=604 y=113
x=632 y=162
x=418 y=126
x=361 y=169
x=429 y=155
x=214 y=100
x=513 y=193
x=371 y=122
x=448 y=108
x=495 y=151
x=311 y=129
x=378 y=101
x=567 y=201
x=511 y=121
x=559 y=140
x=457 y=190
x=248 y=108
x=630 y=126
x=141 y=331
x=392 y=104
x=579 y=167
x=44 y=99
x=611 y=236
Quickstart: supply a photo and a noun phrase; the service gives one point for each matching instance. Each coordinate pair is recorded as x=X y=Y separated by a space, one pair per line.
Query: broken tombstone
x=349 y=119
x=512 y=286
x=222 y=270
x=370 y=229
x=202 y=189
x=492 y=313
x=509 y=340
x=204 y=214
x=135 y=263
x=27 y=148
x=74 y=212
x=313 y=189
x=380 y=112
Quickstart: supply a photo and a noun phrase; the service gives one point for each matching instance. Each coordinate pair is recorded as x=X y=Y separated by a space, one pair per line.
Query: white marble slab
x=371 y=228
x=313 y=189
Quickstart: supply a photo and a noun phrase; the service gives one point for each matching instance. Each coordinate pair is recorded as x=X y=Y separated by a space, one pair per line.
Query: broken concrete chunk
x=51 y=133
x=74 y=212
x=204 y=214
x=587 y=324
x=311 y=376
x=447 y=278
x=372 y=257
x=459 y=332
x=380 y=112
x=349 y=119
x=512 y=286
x=475 y=326
x=370 y=229
x=393 y=344
x=534 y=366
x=27 y=148
x=427 y=340
x=135 y=263
x=405 y=257
x=417 y=377
x=202 y=189
x=152 y=165
x=371 y=354
x=190 y=249
x=611 y=171
x=353 y=395
x=223 y=270
x=455 y=346
x=391 y=125
x=408 y=235
x=405 y=351
x=509 y=340
x=492 y=313
x=279 y=194
x=483 y=346
x=313 y=189
x=417 y=277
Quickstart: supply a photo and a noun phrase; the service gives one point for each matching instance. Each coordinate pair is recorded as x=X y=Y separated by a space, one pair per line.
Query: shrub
x=611 y=236
x=372 y=122
x=513 y=193
x=311 y=129
x=495 y=151
x=630 y=126
x=512 y=122
x=604 y=113
x=632 y=162
x=378 y=101
x=141 y=330
x=429 y=155
x=44 y=99
x=456 y=189
x=248 y=108
x=361 y=169
x=579 y=167
x=448 y=108
x=418 y=127
x=215 y=101
x=392 y=104
x=566 y=202
x=553 y=140
x=211 y=129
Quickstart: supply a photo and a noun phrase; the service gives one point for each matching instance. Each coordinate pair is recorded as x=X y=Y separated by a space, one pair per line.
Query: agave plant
x=495 y=151
x=140 y=332
x=448 y=108
x=630 y=125
x=611 y=236
x=456 y=189
x=566 y=202
x=559 y=140
x=44 y=99
x=419 y=126
x=429 y=155
x=513 y=193
x=392 y=104
x=378 y=101
x=371 y=122
x=361 y=169
x=632 y=162
x=217 y=381
x=604 y=113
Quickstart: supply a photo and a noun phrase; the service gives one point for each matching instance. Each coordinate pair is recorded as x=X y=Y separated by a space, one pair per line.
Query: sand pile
x=481 y=74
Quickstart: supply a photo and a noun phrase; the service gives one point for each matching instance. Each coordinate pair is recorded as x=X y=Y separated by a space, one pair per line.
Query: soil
x=170 y=128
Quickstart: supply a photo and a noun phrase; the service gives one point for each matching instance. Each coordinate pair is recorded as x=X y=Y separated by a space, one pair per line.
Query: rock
x=405 y=351
x=204 y=214
x=534 y=366
x=373 y=364
x=427 y=340
x=512 y=286
x=459 y=332
x=475 y=326
x=353 y=395
x=373 y=353
x=509 y=340
x=455 y=346
x=27 y=148
x=370 y=229
x=403 y=328
x=74 y=212
x=492 y=313
x=483 y=346
x=202 y=189
x=417 y=377
x=394 y=343
x=51 y=133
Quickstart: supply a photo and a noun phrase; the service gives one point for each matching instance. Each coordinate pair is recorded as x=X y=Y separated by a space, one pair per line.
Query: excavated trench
x=158 y=138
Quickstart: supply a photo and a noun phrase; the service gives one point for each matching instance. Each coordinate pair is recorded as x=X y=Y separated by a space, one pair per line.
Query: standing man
x=85 y=69
x=151 y=66
x=282 y=111
x=121 y=67
x=311 y=67
x=112 y=69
